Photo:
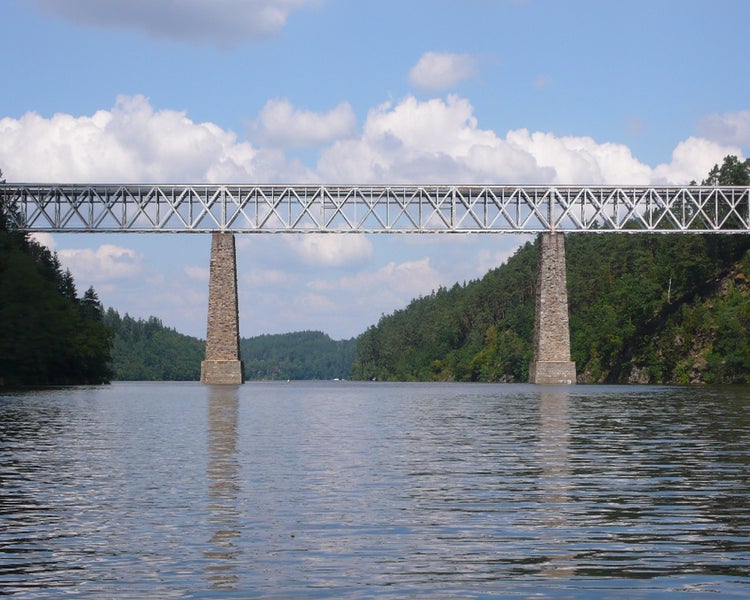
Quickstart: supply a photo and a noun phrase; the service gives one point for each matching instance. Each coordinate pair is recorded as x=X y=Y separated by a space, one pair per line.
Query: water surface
x=358 y=490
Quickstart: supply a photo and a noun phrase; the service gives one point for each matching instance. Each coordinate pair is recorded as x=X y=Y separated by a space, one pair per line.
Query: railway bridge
x=226 y=210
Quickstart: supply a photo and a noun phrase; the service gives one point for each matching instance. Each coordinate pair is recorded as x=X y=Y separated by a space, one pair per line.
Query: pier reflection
x=555 y=479
x=223 y=488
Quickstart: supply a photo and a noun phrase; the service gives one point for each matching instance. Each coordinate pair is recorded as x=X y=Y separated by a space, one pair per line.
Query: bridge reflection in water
x=555 y=480
x=224 y=210
x=223 y=488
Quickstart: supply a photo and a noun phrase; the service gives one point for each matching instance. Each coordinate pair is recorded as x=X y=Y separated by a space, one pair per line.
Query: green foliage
x=479 y=331
x=302 y=355
x=733 y=171
x=642 y=325
x=48 y=336
x=643 y=308
x=146 y=350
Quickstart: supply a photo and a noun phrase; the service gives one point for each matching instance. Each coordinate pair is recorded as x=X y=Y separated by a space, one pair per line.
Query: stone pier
x=552 y=364
x=222 y=364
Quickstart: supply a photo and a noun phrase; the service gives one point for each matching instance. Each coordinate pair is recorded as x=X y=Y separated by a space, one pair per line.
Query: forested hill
x=147 y=350
x=644 y=308
x=301 y=355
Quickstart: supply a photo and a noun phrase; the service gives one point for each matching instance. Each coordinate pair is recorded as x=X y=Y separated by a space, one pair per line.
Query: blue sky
x=354 y=91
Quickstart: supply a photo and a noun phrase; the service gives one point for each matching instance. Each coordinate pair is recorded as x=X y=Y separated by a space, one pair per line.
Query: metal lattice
x=375 y=209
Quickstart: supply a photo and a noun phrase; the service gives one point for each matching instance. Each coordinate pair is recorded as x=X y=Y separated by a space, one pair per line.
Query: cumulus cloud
x=729 y=128
x=338 y=305
x=219 y=22
x=690 y=157
x=332 y=250
x=441 y=70
x=133 y=142
x=45 y=239
x=439 y=141
x=196 y=273
x=281 y=124
x=389 y=286
x=431 y=141
x=105 y=263
x=261 y=278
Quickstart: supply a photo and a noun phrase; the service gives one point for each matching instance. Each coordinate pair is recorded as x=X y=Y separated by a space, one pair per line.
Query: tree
x=733 y=171
x=91 y=308
x=47 y=335
x=147 y=350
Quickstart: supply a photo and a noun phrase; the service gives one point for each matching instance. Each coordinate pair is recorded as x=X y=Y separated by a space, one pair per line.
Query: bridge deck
x=376 y=209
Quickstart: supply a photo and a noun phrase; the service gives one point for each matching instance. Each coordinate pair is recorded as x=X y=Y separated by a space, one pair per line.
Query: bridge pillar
x=222 y=364
x=552 y=364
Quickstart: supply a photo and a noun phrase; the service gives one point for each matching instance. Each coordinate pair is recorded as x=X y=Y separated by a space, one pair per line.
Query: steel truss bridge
x=376 y=208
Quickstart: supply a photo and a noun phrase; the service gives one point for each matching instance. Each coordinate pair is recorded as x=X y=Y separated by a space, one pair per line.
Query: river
x=361 y=490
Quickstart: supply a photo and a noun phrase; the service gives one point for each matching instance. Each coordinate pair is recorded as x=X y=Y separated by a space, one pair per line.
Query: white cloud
x=573 y=159
x=392 y=284
x=45 y=239
x=729 y=128
x=691 y=160
x=441 y=70
x=104 y=264
x=259 y=277
x=133 y=142
x=196 y=273
x=219 y=22
x=331 y=250
x=432 y=141
x=280 y=124
x=345 y=306
x=487 y=260
x=439 y=141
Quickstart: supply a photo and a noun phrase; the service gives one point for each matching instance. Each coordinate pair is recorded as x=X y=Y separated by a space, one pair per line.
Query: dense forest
x=146 y=350
x=48 y=334
x=643 y=308
x=302 y=355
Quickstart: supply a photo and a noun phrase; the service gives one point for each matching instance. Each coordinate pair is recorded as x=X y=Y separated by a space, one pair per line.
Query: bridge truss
x=375 y=209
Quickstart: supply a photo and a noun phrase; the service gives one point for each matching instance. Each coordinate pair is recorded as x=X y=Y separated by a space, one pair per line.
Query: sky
x=354 y=91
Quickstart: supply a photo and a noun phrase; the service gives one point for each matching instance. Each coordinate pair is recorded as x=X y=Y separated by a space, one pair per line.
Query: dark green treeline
x=147 y=350
x=48 y=335
x=644 y=308
x=301 y=355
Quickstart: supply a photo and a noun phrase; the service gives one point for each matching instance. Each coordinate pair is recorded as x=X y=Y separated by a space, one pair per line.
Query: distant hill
x=146 y=350
x=302 y=355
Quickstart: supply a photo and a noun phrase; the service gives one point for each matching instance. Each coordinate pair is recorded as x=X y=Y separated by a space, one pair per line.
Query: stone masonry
x=222 y=364
x=552 y=364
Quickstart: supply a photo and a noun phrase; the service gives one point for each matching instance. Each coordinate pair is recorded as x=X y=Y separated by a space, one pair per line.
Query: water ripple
x=361 y=490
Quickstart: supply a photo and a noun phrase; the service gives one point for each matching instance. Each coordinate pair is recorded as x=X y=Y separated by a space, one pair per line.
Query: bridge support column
x=552 y=364
x=222 y=364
